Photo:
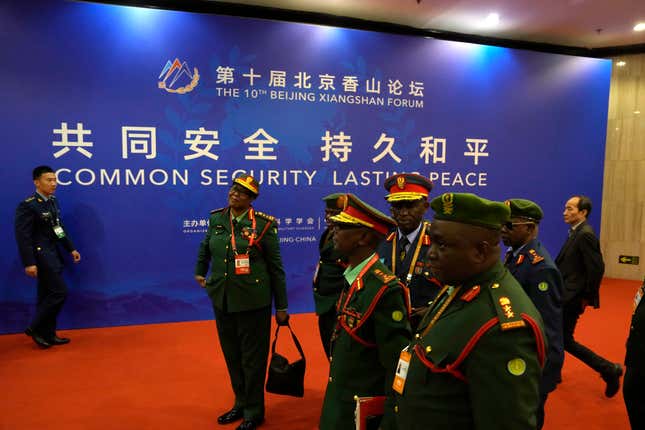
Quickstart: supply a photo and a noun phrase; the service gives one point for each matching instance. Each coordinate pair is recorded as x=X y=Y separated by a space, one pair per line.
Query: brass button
x=330 y=358
x=428 y=349
x=396 y=408
x=224 y=273
x=330 y=379
x=416 y=336
x=225 y=260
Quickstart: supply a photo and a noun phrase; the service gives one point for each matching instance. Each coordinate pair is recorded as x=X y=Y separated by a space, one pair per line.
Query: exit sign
x=628 y=259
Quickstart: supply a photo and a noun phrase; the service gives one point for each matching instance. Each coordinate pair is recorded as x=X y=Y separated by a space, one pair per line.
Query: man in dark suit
x=39 y=231
x=328 y=279
x=531 y=264
x=634 y=381
x=581 y=265
x=405 y=248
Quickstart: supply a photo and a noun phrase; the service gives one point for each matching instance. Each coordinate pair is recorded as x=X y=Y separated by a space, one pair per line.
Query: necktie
x=403 y=245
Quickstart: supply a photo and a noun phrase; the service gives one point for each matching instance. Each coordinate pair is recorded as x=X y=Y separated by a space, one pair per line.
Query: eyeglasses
x=509 y=225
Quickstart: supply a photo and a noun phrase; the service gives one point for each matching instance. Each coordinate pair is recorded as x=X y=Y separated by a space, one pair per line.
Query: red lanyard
x=357 y=284
x=251 y=236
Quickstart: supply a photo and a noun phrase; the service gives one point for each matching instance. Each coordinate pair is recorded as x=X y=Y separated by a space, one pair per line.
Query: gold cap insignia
x=448 y=205
x=400 y=182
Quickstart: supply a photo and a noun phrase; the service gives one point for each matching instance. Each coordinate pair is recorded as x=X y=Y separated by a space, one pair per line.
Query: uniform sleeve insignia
x=516 y=367
x=217 y=210
x=390 y=237
x=397 y=316
x=543 y=286
x=383 y=276
x=508 y=318
x=520 y=258
x=536 y=257
x=265 y=216
x=470 y=295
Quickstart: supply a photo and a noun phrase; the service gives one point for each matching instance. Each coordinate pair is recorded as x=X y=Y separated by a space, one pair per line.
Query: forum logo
x=177 y=77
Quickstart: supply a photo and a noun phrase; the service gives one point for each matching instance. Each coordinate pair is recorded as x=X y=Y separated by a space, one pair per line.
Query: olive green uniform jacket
x=372 y=329
x=236 y=293
x=479 y=366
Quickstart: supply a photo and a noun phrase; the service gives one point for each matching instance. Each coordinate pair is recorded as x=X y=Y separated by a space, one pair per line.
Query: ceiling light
x=492 y=19
x=640 y=26
x=621 y=64
x=637 y=112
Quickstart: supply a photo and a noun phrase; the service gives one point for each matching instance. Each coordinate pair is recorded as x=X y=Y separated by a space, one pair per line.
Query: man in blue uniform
x=328 y=279
x=39 y=231
x=531 y=264
x=405 y=248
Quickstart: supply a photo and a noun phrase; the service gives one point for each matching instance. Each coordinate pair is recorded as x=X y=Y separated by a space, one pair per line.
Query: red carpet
x=172 y=376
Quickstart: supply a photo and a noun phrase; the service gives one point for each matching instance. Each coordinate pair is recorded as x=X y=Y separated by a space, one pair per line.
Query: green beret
x=332 y=201
x=522 y=208
x=468 y=208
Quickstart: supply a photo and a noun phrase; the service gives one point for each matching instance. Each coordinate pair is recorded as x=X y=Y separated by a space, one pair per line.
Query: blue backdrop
x=147 y=115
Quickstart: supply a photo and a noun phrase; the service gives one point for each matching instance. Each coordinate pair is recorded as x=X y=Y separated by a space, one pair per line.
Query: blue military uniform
x=538 y=275
x=414 y=269
x=38 y=245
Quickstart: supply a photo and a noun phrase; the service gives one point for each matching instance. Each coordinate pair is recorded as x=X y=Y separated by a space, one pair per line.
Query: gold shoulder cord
x=451 y=295
x=413 y=263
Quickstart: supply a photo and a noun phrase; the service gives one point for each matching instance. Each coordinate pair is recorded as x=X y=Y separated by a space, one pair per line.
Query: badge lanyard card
x=242 y=261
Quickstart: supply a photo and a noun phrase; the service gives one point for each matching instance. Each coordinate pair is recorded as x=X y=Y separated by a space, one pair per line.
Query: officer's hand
x=31 y=271
x=76 y=256
x=281 y=317
x=201 y=281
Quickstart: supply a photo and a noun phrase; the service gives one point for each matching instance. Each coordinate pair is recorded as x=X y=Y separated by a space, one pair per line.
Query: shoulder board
x=385 y=277
x=28 y=199
x=536 y=257
x=217 y=210
x=427 y=226
x=390 y=237
x=265 y=216
x=508 y=318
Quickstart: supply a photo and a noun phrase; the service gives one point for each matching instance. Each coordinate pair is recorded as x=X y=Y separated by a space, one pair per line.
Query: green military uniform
x=372 y=328
x=476 y=360
x=242 y=303
x=328 y=280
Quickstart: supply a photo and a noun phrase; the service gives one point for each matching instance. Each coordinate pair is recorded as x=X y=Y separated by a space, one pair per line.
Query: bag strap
x=293 y=336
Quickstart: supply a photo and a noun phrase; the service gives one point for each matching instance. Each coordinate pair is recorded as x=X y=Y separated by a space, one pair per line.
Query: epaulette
x=536 y=257
x=265 y=216
x=28 y=199
x=217 y=210
x=390 y=237
x=508 y=318
x=383 y=276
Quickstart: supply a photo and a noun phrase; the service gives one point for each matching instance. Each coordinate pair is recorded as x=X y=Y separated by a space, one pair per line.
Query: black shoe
x=612 y=378
x=41 y=342
x=59 y=340
x=232 y=415
x=249 y=424
x=29 y=332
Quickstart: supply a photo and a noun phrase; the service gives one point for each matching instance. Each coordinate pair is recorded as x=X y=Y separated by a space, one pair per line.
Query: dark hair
x=584 y=204
x=38 y=171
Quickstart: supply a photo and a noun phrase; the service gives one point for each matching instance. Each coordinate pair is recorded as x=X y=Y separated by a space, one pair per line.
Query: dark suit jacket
x=37 y=242
x=581 y=265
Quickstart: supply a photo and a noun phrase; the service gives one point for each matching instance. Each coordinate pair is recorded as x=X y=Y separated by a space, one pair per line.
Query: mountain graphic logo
x=177 y=77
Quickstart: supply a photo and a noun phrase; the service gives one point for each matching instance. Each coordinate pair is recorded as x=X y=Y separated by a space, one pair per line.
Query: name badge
x=242 y=264
x=58 y=230
x=401 y=371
